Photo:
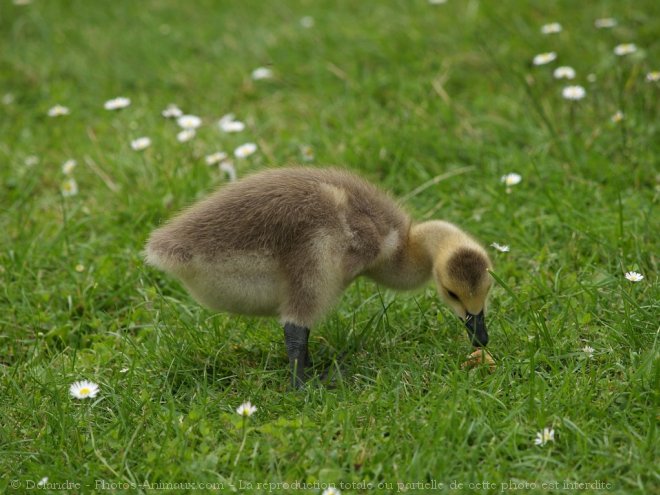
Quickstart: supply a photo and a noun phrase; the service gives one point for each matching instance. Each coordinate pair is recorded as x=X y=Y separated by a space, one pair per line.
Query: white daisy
x=331 y=490
x=42 y=481
x=605 y=23
x=231 y=125
x=228 y=168
x=591 y=78
x=573 y=93
x=588 y=350
x=564 y=72
x=511 y=179
x=228 y=117
x=262 y=73
x=625 y=49
x=69 y=187
x=307 y=153
x=653 y=76
x=140 y=143
x=185 y=135
x=68 y=166
x=552 y=28
x=117 y=103
x=58 y=110
x=189 y=121
x=545 y=436
x=617 y=117
x=214 y=158
x=84 y=389
x=634 y=276
x=544 y=58
x=172 y=112
x=31 y=160
x=500 y=247
x=307 y=22
x=246 y=409
x=7 y=99
x=80 y=268
x=245 y=150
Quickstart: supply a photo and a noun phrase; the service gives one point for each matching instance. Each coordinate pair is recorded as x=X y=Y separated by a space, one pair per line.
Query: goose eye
x=452 y=295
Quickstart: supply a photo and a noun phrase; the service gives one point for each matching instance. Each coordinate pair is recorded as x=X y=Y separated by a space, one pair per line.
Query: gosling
x=287 y=242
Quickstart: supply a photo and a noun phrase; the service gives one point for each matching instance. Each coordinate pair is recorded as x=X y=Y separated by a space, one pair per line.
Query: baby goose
x=286 y=242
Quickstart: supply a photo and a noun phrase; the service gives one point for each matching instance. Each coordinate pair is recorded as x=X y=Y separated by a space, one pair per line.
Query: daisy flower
x=83 y=389
x=634 y=276
x=231 y=125
x=331 y=490
x=185 y=135
x=545 y=436
x=511 y=179
x=544 y=58
x=262 y=73
x=588 y=350
x=172 y=112
x=68 y=166
x=140 y=143
x=58 y=110
x=591 y=78
x=500 y=247
x=7 y=99
x=31 y=160
x=625 y=49
x=117 y=103
x=307 y=22
x=307 y=153
x=605 y=23
x=564 y=72
x=228 y=168
x=653 y=76
x=573 y=93
x=245 y=150
x=246 y=409
x=228 y=117
x=69 y=187
x=189 y=121
x=214 y=158
x=552 y=28
x=80 y=268
x=617 y=117
x=42 y=481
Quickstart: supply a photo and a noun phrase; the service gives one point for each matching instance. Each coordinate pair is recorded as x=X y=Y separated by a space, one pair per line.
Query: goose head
x=463 y=281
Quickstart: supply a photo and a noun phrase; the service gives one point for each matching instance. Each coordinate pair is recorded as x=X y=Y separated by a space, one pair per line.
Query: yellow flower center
x=85 y=391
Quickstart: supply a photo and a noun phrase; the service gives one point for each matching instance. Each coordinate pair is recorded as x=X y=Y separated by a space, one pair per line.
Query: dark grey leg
x=296 y=338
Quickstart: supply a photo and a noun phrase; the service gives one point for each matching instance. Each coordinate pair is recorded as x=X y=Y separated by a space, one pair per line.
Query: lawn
x=436 y=103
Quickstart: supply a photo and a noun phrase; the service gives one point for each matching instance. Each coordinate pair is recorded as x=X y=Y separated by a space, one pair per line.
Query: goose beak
x=476 y=328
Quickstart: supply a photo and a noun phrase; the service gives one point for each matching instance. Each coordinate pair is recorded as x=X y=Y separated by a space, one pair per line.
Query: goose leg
x=295 y=339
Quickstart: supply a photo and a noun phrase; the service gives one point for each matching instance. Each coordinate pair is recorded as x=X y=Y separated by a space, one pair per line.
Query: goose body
x=286 y=242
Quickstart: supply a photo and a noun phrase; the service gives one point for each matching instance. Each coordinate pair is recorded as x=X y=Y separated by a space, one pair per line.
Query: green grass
x=401 y=91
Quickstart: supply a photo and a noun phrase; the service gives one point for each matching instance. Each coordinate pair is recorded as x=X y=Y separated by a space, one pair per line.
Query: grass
x=401 y=91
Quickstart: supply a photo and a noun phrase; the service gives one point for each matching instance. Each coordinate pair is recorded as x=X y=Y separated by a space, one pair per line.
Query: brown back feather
x=278 y=211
